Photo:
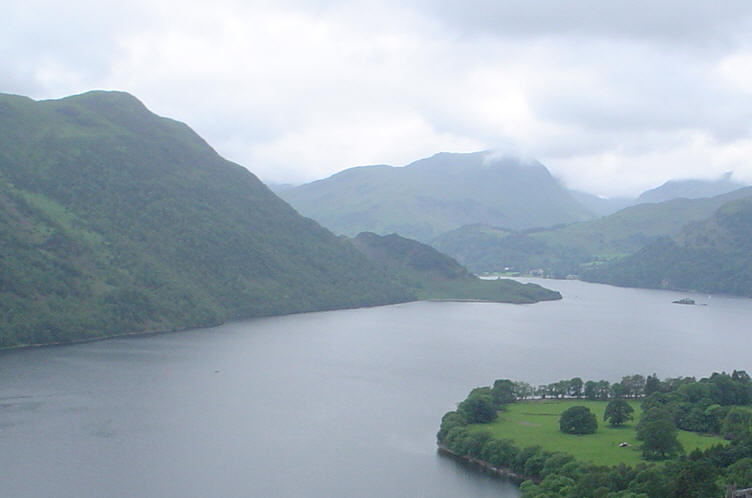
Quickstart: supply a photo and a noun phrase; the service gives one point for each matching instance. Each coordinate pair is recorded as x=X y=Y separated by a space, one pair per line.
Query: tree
x=634 y=385
x=522 y=390
x=739 y=473
x=657 y=432
x=617 y=412
x=652 y=385
x=603 y=388
x=503 y=392
x=697 y=478
x=736 y=423
x=591 y=390
x=478 y=408
x=578 y=420
x=575 y=387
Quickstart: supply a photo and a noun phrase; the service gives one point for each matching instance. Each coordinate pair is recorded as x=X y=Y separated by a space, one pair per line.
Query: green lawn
x=531 y=423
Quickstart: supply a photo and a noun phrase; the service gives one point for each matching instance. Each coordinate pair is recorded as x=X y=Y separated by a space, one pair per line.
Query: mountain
x=714 y=256
x=434 y=275
x=115 y=220
x=690 y=189
x=437 y=194
x=602 y=206
x=564 y=250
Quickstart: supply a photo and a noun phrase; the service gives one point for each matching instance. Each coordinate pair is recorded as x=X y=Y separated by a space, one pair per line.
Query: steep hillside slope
x=434 y=275
x=563 y=250
x=115 y=220
x=437 y=194
x=714 y=255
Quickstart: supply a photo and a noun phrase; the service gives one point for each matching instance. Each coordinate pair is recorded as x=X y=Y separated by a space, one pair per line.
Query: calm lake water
x=333 y=404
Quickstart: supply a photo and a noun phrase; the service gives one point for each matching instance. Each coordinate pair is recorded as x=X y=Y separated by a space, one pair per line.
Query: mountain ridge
x=437 y=194
x=712 y=255
x=560 y=251
x=120 y=221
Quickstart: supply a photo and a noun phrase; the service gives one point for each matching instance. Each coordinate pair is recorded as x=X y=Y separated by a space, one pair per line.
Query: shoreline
x=21 y=347
x=502 y=472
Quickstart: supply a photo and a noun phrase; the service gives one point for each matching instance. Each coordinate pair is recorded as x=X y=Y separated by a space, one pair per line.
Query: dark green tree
x=478 y=408
x=449 y=421
x=578 y=420
x=618 y=412
x=503 y=392
x=697 y=478
x=591 y=390
x=739 y=474
x=575 y=387
x=657 y=432
x=652 y=385
x=736 y=424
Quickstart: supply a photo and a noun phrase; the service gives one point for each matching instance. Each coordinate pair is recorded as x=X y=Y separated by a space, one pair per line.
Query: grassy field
x=532 y=423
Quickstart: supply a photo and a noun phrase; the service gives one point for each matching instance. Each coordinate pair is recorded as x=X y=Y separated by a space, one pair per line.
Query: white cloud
x=611 y=96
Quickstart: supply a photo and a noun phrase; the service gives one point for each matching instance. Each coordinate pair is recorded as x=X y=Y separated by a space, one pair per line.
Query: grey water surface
x=333 y=404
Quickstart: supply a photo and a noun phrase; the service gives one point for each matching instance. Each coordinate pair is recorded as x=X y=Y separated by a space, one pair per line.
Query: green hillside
x=714 y=255
x=434 y=275
x=437 y=194
x=115 y=220
x=567 y=249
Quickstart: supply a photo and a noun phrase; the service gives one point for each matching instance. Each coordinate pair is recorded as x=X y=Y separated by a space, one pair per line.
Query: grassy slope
x=537 y=423
x=116 y=220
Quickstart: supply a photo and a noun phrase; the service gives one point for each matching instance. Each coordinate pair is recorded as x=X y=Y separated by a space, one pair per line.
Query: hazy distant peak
x=691 y=189
x=437 y=194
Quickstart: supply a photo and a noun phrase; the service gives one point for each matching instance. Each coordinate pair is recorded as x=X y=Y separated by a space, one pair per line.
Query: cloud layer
x=614 y=97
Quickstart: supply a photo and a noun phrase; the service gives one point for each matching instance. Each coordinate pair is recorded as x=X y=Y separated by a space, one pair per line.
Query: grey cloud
x=693 y=22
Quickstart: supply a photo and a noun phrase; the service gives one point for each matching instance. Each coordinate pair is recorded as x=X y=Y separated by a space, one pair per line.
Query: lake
x=331 y=404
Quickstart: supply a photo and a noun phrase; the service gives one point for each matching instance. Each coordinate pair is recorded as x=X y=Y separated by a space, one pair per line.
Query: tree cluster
x=706 y=405
x=701 y=474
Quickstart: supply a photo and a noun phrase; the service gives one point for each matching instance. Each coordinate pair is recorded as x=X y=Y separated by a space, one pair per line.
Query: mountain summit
x=437 y=194
x=116 y=220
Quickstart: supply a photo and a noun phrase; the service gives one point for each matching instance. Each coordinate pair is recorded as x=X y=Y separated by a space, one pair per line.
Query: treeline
x=717 y=404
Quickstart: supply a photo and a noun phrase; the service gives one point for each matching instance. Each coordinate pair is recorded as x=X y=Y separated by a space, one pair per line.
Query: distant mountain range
x=447 y=191
x=689 y=189
x=438 y=194
x=497 y=214
x=115 y=220
x=565 y=250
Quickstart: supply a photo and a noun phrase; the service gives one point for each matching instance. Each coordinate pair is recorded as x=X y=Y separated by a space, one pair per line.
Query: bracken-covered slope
x=114 y=220
x=714 y=255
x=438 y=194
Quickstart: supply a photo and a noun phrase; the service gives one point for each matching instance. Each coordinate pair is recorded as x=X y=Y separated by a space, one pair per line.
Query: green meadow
x=530 y=423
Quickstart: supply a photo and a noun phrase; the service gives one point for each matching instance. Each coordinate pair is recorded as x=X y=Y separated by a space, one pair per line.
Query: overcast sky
x=613 y=96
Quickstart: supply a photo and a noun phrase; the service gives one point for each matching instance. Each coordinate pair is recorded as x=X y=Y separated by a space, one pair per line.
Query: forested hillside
x=714 y=255
x=115 y=220
x=434 y=275
x=562 y=250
